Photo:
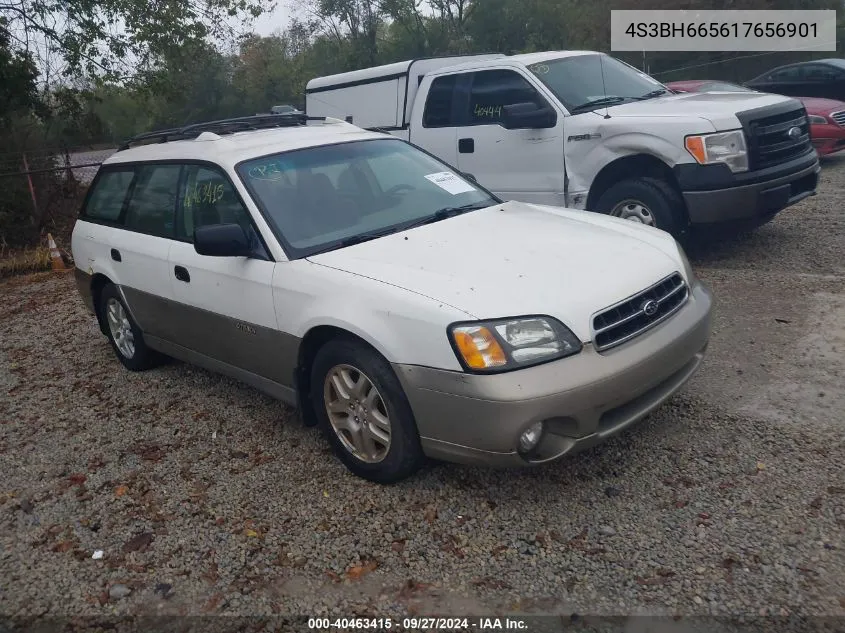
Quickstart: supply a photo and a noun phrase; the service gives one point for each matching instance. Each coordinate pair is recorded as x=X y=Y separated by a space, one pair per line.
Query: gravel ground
x=206 y=497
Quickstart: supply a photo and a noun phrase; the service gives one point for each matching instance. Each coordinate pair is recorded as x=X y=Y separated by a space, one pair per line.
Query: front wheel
x=648 y=201
x=364 y=413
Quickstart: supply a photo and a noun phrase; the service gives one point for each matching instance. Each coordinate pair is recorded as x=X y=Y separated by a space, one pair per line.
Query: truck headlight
x=505 y=344
x=817 y=119
x=721 y=147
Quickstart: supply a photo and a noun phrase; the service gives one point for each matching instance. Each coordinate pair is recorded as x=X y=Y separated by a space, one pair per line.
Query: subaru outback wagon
x=398 y=304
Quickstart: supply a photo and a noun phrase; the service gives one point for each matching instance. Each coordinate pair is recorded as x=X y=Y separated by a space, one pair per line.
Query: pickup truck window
x=492 y=90
x=581 y=79
x=438 y=105
x=328 y=197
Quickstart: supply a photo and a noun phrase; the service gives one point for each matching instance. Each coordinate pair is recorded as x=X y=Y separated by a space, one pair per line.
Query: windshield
x=321 y=198
x=577 y=80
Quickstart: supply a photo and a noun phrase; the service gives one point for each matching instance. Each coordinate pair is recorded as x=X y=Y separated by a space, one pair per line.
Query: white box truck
x=584 y=130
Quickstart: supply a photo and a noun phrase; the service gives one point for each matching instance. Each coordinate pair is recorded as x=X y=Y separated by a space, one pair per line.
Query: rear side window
x=152 y=207
x=207 y=197
x=438 y=106
x=819 y=72
x=109 y=194
x=785 y=74
x=492 y=90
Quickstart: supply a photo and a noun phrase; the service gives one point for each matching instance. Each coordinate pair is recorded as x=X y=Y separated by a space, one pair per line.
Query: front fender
x=402 y=326
x=586 y=159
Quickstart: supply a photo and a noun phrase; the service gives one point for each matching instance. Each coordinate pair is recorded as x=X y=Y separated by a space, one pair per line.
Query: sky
x=277 y=19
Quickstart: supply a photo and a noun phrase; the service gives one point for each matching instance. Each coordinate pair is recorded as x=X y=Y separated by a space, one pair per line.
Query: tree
x=18 y=75
x=109 y=38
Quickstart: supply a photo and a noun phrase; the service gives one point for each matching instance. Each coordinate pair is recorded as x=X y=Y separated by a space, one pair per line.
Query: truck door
x=435 y=129
x=525 y=165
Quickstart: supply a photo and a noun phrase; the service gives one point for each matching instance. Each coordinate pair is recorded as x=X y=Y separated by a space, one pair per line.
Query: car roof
x=227 y=150
x=830 y=61
x=525 y=59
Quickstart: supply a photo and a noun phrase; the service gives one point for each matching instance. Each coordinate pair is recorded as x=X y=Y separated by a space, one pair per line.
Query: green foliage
x=111 y=38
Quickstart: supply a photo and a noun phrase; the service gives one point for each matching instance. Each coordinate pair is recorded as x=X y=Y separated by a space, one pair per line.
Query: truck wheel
x=646 y=200
x=364 y=413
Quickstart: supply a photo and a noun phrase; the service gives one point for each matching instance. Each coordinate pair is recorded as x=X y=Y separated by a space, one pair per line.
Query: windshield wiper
x=445 y=213
x=652 y=94
x=438 y=215
x=595 y=103
x=363 y=237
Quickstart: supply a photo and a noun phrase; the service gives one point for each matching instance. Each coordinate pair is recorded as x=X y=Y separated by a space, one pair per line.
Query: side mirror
x=221 y=240
x=527 y=116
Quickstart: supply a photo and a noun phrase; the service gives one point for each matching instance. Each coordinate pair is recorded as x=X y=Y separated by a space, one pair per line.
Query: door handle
x=182 y=274
x=115 y=255
x=466 y=145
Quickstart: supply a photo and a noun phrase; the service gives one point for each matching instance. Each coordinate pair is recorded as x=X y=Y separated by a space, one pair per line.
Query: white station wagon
x=398 y=304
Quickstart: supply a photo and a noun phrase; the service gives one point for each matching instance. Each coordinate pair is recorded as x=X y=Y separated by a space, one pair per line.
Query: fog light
x=530 y=437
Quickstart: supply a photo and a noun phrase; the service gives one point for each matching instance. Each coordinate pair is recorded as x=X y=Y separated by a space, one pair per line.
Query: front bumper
x=828 y=138
x=582 y=399
x=713 y=194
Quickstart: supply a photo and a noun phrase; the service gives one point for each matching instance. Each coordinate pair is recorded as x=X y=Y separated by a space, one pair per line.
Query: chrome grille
x=628 y=319
x=838 y=117
x=769 y=140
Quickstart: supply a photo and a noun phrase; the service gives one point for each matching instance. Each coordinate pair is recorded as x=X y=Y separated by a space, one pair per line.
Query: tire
x=137 y=356
x=658 y=200
x=359 y=440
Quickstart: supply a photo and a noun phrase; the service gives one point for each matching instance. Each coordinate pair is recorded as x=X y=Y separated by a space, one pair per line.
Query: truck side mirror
x=528 y=116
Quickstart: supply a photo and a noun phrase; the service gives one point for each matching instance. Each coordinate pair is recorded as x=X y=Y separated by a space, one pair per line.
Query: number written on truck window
x=492 y=90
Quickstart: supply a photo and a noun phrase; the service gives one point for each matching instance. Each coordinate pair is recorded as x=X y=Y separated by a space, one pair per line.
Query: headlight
x=815 y=118
x=505 y=344
x=722 y=147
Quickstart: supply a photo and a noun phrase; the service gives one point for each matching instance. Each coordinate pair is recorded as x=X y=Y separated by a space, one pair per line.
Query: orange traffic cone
x=55 y=256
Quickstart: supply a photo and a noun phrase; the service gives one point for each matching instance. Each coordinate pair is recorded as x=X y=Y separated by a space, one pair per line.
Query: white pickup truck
x=584 y=130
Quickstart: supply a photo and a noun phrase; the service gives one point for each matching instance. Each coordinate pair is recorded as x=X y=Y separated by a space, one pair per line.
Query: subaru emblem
x=650 y=308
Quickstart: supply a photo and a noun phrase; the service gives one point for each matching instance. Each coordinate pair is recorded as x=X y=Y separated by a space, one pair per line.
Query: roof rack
x=223 y=126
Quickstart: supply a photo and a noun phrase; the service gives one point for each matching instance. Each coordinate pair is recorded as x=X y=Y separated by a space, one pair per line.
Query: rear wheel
x=123 y=333
x=364 y=413
x=648 y=201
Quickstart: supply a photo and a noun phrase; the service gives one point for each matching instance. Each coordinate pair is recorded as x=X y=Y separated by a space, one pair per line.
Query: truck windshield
x=323 y=198
x=585 y=82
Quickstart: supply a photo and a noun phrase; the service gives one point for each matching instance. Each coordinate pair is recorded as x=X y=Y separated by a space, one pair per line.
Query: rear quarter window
x=438 y=106
x=108 y=196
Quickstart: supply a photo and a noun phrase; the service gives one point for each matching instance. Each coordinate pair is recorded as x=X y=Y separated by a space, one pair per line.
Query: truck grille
x=769 y=140
x=838 y=117
x=635 y=315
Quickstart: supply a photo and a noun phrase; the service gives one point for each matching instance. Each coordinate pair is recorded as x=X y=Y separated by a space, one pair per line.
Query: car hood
x=720 y=108
x=518 y=259
x=817 y=105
